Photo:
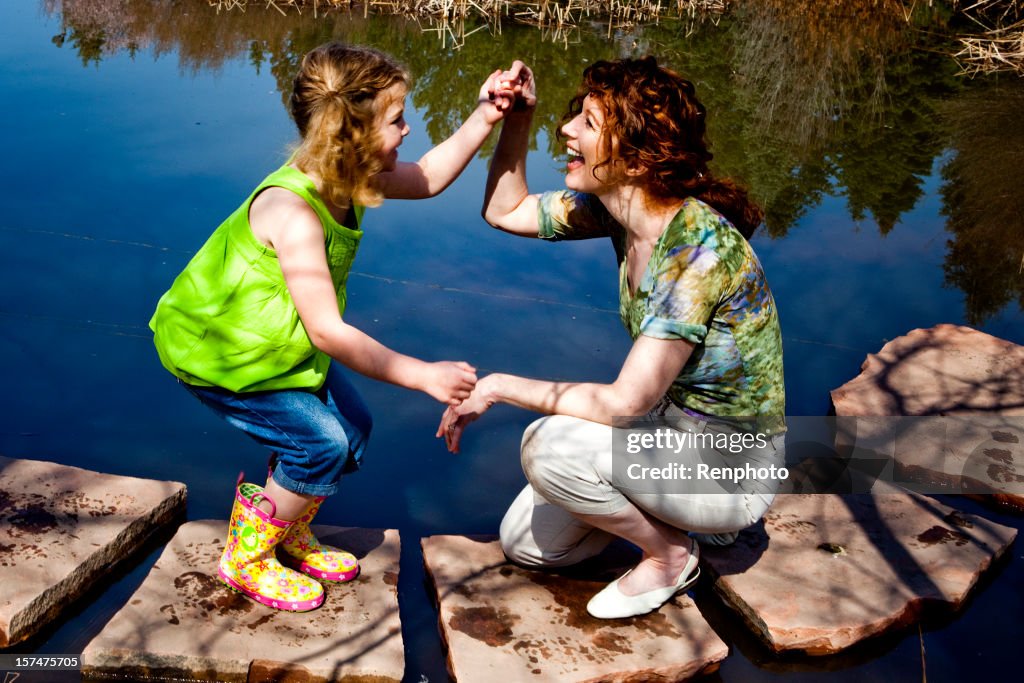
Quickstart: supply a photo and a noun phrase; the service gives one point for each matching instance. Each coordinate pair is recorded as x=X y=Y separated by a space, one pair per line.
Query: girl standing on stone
x=693 y=296
x=253 y=326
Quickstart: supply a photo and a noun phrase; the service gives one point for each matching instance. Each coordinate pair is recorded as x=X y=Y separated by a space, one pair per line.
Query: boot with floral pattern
x=301 y=550
x=249 y=565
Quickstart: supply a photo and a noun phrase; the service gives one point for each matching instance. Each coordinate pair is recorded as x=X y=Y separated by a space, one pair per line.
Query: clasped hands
x=511 y=90
x=458 y=415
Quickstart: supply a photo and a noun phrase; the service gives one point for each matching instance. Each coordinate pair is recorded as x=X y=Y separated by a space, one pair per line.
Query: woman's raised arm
x=508 y=204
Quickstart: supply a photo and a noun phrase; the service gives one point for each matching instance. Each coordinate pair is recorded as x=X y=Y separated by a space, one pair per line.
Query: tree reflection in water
x=841 y=98
x=806 y=99
x=983 y=201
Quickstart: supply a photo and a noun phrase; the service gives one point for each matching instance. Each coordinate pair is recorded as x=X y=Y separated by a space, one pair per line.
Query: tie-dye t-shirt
x=703 y=283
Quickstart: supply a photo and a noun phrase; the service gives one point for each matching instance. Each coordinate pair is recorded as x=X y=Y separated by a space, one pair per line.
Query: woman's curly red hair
x=654 y=119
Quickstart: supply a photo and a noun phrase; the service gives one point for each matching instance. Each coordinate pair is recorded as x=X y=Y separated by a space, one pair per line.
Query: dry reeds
x=448 y=17
x=996 y=50
x=1000 y=47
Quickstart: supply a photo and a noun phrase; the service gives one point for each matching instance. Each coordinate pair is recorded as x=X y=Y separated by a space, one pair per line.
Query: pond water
x=133 y=127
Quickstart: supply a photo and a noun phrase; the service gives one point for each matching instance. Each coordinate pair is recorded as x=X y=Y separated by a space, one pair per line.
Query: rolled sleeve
x=568 y=215
x=666 y=328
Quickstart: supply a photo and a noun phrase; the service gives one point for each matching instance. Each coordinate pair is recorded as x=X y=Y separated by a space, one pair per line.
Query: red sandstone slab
x=981 y=456
x=944 y=370
x=973 y=379
x=62 y=528
x=829 y=571
x=183 y=623
x=505 y=623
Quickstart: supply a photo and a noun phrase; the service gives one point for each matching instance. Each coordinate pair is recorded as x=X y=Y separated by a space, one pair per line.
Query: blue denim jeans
x=314 y=437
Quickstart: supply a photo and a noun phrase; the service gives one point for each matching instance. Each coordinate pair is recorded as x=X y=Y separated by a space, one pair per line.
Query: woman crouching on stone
x=694 y=299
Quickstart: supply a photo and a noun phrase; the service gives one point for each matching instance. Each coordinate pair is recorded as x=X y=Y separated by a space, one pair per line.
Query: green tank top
x=229 y=321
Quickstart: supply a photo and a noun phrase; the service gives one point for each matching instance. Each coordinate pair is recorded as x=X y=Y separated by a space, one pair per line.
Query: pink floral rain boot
x=249 y=565
x=302 y=551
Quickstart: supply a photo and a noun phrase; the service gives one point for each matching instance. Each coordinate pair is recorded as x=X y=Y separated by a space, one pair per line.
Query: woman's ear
x=634 y=169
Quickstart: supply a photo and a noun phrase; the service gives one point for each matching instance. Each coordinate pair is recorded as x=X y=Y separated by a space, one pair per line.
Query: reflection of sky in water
x=116 y=173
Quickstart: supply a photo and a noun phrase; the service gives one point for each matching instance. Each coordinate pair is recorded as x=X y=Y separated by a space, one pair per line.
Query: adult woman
x=694 y=299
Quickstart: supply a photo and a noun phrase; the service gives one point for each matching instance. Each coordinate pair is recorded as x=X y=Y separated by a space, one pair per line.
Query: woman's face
x=583 y=140
x=391 y=125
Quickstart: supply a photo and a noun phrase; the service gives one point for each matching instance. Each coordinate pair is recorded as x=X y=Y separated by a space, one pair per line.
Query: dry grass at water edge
x=997 y=46
x=1000 y=47
x=448 y=17
x=541 y=12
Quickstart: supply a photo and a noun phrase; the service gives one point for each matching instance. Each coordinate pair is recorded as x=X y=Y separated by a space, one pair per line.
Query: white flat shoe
x=611 y=603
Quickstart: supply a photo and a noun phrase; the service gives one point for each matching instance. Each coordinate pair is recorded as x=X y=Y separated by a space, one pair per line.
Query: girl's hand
x=450 y=381
x=456 y=417
x=496 y=97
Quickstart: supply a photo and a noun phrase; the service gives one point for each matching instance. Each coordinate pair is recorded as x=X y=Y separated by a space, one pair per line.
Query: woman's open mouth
x=575 y=160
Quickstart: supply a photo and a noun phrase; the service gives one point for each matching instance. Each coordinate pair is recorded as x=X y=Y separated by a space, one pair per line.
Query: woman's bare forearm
x=507 y=198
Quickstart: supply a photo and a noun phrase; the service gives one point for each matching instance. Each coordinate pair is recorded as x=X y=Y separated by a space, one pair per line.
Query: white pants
x=568 y=462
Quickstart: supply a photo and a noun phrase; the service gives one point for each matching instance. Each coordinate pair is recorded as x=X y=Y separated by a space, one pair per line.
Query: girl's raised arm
x=508 y=204
x=440 y=166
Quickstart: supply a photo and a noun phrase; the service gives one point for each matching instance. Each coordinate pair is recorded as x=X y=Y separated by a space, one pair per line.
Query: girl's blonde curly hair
x=335 y=105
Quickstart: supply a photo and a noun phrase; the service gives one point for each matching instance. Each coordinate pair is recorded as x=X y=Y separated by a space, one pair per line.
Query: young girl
x=252 y=324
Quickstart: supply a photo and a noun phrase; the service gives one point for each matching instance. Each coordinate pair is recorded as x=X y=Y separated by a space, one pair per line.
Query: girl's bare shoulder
x=276 y=209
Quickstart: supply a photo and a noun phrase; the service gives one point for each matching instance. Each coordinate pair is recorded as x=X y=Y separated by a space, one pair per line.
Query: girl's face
x=391 y=125
x=583 y=139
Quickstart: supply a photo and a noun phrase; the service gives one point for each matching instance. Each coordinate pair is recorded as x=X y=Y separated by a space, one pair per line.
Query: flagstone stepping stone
x=825 y=572
x=972 y=384
x=183 y=623
x=505 y=623
x=62 y=528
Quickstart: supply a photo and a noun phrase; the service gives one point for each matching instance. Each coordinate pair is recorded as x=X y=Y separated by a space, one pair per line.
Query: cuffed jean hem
x=301 y=488
x=315 y=437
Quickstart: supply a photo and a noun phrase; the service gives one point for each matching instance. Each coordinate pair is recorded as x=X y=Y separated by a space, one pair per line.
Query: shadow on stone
x=184 y=623
x=838 y=570
x=63 y=529
x=972 y=385
x=504 y=622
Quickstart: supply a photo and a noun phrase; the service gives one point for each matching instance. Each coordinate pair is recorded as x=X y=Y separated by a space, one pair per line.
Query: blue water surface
x=117 y=170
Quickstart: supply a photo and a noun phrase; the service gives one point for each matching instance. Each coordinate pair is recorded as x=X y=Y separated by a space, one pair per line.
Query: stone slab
x=62 y=528
x=505 y=623
x=972 y=384
x=981 y=456
x=183 y=623
x=825 y=572
x=943 y=370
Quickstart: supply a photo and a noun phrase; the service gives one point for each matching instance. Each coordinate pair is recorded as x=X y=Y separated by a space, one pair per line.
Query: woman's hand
x=449 y=381
x=504 y=91
x=456 y=417
x=519 y=79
